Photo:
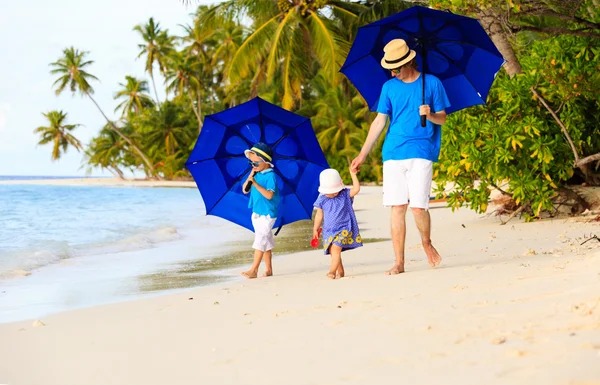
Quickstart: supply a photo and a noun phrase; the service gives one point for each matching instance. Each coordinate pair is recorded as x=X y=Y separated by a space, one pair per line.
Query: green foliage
x=289 y=51
x=546 y=17
x=58 y=133
x=134 y=96
x=108 y=151
x=71 y=70
x=341 y=122
x=166 y=131
x=514 y=142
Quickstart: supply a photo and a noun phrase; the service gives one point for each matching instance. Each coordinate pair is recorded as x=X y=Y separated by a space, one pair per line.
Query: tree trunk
x=117 y=171
x=197 y=110
x=126 y=139
x=154 y=86
x=490 y=20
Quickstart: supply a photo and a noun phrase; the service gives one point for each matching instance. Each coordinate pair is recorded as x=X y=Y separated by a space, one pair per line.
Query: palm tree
x=107 y=151
x=166 y=130
x=338 y=119
x=58 y=133
x=290 y=39
x=157 y=45
x=134 y=93
x=181 y=78
x=211 y=47
x=71 y=68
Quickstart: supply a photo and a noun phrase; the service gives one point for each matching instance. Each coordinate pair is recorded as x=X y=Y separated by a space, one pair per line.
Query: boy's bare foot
x=397 y=269
x=267 y=274
x=250 y=274
x=433 y=257
x=331 y=275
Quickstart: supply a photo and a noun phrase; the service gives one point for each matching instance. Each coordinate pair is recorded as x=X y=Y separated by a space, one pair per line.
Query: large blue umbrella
x=220 y=168
x=454 y=48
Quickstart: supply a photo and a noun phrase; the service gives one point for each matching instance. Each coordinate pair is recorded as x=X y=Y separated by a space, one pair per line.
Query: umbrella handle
x=423 y=117
x=249 y=184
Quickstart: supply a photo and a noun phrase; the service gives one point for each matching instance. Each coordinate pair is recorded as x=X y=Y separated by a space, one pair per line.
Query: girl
x=334 y=209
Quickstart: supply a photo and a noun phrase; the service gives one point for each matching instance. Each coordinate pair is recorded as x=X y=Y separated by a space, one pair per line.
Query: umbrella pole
x=423 y=117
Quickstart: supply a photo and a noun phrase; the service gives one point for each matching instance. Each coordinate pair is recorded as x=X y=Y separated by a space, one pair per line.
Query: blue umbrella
x=220 y=168
x=454 y=48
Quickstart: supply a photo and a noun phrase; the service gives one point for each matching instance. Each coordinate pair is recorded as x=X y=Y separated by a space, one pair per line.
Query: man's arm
x=377 y=126
x=374 y=131
x=438 y=118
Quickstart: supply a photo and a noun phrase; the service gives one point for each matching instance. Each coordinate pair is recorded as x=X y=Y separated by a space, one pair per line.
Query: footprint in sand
x=516 y=353
x=499 y=340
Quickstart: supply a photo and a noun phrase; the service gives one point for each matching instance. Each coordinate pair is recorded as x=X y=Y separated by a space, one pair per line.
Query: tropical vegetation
x=537 y=134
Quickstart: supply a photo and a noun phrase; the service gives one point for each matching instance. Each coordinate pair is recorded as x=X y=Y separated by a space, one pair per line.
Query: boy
x=264 y=202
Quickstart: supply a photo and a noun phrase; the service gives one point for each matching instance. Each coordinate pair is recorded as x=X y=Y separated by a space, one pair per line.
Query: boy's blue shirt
x=258 y=203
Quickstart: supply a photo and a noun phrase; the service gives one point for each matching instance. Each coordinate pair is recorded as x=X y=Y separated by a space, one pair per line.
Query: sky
x=33 y=34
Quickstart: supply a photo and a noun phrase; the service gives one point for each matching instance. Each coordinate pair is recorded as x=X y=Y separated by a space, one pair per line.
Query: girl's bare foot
x=397 y=269
x=250 y=274
x=340 y=272
x=331 y=275
x=267 y=274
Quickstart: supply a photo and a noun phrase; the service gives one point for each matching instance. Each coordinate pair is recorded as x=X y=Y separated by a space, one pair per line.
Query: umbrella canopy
x=220 y=168
x=454 y=48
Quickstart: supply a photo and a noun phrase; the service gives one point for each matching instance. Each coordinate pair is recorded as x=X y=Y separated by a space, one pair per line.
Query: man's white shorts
x=407 y=179
x=263 y=237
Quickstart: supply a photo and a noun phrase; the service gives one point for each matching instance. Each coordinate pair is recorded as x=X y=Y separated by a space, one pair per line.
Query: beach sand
x=513 y=304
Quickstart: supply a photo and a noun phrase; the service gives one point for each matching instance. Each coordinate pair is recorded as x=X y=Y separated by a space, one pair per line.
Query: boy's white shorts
x=263 y=236
x=407 y=179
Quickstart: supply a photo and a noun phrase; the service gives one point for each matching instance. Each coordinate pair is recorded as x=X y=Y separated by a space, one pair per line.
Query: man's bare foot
x=250 y=274
x=331 y=275
x=397 y=269
x=267 y=274
x=433 y=257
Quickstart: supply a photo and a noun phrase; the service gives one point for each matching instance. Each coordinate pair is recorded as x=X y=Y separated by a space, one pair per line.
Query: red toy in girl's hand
x=315 y=242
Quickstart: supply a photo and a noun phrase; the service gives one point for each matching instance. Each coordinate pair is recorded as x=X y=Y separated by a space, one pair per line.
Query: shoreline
x=511 y=304
x=100 y=182
x=152 y=262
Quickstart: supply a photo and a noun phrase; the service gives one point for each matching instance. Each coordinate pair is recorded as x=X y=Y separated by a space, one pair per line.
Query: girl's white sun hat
x=330 y=181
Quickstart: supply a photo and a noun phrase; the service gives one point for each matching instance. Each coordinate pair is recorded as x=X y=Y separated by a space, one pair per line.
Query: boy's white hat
x=330 y=181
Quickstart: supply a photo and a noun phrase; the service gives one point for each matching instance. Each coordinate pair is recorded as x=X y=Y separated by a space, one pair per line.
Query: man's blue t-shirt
x=405 y=138
x=258 y=203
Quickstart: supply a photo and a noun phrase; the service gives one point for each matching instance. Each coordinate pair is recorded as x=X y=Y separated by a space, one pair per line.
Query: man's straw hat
x=396 y=54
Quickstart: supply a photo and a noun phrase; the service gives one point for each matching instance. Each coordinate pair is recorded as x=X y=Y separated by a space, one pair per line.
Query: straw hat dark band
x=398 y=60
x=396 y=54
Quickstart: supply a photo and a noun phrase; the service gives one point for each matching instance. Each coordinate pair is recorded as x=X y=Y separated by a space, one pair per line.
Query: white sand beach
x=513 y=304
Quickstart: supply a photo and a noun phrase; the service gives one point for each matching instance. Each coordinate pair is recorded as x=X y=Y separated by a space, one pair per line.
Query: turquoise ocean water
x=65 y=247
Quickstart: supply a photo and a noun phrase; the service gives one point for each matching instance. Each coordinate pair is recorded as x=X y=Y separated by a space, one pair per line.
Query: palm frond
x=253 y=46
x=324 y=42
x=278 y=45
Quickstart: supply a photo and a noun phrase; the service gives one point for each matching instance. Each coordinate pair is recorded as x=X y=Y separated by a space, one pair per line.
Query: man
x=409 y=150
